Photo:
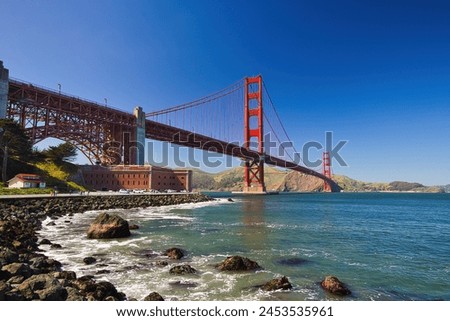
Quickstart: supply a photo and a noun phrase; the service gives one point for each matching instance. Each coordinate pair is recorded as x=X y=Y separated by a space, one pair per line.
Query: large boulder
x=182 y=269
x=18 y=269
x=333 y=285
x=43 y=287
x=42 y=264
x=174 y=253
x=277 y=284
x=154 y=296
x=237 y=263
x=107 y=226
x=101 y=291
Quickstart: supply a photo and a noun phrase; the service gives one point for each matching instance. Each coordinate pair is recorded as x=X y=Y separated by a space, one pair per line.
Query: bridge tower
x=326 y=170
x=253 y=133
x=4 y=82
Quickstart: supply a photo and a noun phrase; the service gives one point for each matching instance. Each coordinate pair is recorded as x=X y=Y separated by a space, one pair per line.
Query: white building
x=26 y=181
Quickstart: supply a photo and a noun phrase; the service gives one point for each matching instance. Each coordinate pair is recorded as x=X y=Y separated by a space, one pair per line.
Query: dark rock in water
x=18 y=269
x=45 y=241
x=89 y=260
x=161 y=263
x=174 y=253
x=154 y=296
x=333 y=285
x=237 y=263
x=277 y=284
x=103 y=272
x=107 y=226
x=292 y=261
x=51 y=224
x=180 y=284
x=55 y=246
x=230 y=200
x=134 y=227
x=151 y=255
x=182 y=269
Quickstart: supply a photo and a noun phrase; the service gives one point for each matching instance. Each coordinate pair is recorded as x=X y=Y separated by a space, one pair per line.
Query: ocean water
x=384 y=246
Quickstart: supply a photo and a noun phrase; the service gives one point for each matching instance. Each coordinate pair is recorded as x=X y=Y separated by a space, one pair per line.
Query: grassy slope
x=59 y=175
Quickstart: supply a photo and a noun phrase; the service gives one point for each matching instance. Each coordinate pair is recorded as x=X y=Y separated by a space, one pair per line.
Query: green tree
x=14 y=142
x=64 y=152
x=14 y=136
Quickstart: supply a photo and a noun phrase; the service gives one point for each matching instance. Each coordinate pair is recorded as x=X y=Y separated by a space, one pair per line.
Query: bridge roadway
x=162 y=132
x=90 y=126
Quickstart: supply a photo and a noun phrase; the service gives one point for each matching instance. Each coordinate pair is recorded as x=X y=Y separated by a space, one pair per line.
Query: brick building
x=136 y=177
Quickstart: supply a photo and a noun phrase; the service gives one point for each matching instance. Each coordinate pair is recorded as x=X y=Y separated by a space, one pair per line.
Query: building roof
x=27 y=178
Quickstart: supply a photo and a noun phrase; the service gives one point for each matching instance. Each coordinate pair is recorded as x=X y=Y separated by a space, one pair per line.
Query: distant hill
x=290 y=181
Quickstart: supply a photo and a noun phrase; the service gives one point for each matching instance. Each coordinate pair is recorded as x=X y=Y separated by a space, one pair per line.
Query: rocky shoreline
x=27 y=274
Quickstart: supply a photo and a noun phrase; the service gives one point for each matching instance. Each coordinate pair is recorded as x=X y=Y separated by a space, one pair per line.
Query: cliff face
x=275 y=179
x=289 y=181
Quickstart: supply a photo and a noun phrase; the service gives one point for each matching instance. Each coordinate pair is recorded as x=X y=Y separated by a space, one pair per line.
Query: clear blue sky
x=376 y=73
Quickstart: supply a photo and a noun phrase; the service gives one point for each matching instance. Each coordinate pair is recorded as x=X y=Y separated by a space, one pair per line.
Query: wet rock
x=277 y=284
x=53 y=293
x=161 y=263
x=74 y=295
x=66 y=275
x=107 y=226
x=89 y=260
x=16 y=279
x=45 y=241
x=154 y=296
x=4 y=288
x=42 y=264
x=134 y=227
x=237 y=263
x=16 y=295
x=333 y=285
x=84 y=284
x=182 y=269
x=230 y=200
x=103 y=290
x=184 y=285
x=51 y=224
x=103 y=272
x=44 y=287
x=174 y=253
x=16 y=244
x=18 y=269
x=7 y=256
x=55 y=246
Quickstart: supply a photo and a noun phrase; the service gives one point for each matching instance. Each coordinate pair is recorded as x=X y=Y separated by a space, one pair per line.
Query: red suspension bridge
x=231 y=122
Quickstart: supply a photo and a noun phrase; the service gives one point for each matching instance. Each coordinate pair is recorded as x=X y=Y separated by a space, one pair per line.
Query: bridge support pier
x=253 y=134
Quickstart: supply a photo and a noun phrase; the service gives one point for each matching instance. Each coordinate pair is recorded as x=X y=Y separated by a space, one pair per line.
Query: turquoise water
x=384 y=246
